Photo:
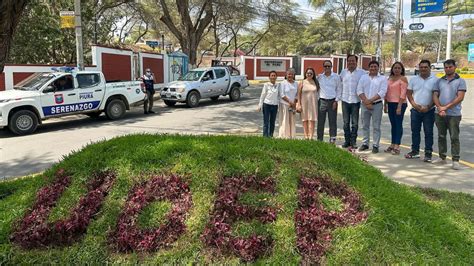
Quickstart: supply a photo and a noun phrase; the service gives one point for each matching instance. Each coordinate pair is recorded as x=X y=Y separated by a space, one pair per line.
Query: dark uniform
x=150 y=91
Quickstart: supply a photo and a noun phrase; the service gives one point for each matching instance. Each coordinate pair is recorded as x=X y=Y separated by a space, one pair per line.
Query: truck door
x=58 y=97
x=208 y=85
x=222 y=81
x=90 y=90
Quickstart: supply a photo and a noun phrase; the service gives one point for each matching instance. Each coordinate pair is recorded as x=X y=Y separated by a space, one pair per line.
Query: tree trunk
x=189 y=35
x=10 y=13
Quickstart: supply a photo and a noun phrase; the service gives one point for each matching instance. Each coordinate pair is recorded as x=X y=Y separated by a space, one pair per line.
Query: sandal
x=389 y=149
x=395 y=151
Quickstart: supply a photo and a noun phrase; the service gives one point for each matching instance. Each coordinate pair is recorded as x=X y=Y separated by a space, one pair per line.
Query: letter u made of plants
x=34 y=230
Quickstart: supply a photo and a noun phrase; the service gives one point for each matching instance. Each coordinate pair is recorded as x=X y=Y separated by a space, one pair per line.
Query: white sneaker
x=439 y=161
x=456 y=165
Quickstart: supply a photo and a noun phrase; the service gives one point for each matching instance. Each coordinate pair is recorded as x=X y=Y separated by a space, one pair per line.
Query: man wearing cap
x=148 y=79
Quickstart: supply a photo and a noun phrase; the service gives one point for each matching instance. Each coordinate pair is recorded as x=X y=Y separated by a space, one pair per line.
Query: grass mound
x=172 y=200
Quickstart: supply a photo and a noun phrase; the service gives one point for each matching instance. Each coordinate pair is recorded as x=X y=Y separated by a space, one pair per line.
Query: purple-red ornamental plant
x=314 y=224
x=34 y=230
x=128 y=237
x=218 y=233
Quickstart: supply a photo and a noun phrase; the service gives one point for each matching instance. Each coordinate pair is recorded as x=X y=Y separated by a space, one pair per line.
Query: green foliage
x=40 y=40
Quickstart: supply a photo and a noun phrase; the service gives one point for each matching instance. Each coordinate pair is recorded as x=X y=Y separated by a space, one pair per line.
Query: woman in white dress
x=287 y=108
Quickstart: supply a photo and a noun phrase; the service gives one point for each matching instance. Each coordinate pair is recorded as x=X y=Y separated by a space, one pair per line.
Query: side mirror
x=205 y=79
x=50 y=88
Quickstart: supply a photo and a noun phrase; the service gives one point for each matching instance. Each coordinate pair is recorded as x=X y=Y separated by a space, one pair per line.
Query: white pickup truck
x=210 y=82
x=46 y=95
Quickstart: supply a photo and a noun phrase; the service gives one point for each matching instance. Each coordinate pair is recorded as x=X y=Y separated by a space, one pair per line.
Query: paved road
x=58 y=137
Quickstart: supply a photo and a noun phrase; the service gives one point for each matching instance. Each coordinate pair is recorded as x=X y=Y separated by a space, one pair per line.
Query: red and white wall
x=116 y=64
x=156 y=63
x=258 y=67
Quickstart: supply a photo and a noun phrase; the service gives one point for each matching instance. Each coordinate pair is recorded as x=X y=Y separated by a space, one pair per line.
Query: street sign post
x=416 y=26
x=152 y=44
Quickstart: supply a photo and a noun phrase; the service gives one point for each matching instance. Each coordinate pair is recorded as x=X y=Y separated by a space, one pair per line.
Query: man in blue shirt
x=447 y=96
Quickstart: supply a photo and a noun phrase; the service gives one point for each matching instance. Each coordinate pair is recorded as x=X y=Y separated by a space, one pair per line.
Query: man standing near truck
x=149 y=80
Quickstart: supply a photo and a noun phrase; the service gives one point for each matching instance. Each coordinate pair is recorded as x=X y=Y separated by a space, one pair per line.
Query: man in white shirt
x=329 y=94
x=371 y=90
x=350 y=101
x=420 y=95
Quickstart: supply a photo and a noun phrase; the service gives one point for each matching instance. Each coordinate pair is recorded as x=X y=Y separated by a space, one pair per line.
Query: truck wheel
x=215 y=98
x=234 y=94
x=193 y=99
x=169 y=103
x=94 y=114
x=23 y=122
x=115 y=109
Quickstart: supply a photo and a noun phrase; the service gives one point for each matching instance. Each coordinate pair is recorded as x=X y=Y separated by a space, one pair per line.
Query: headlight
x=5 y=101
x=180 y=90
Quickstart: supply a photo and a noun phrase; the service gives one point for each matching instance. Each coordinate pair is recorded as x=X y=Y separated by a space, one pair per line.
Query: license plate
x=168 y=95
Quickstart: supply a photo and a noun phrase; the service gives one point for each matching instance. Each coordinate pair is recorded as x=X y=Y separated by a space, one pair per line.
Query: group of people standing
x=369 y=95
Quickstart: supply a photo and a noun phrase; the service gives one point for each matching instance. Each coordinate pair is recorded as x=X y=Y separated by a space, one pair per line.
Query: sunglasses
x=327 y=66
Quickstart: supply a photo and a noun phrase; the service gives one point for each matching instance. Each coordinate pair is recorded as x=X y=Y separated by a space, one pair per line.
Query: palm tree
x=10 y=13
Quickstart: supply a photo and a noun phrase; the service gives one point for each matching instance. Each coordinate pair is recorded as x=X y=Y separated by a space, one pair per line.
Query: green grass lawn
x=404 y=224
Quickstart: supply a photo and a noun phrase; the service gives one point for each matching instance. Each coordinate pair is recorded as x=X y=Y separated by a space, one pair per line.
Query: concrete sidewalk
x=415 y=172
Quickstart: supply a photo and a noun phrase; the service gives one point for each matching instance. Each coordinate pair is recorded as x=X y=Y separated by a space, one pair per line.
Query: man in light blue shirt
x=447 y=97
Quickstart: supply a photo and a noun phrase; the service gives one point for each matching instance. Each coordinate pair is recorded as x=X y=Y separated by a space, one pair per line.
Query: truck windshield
x=34 y=82
x=192 y=76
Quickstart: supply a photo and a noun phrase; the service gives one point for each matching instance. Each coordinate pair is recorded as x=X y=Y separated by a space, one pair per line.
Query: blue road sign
x=470 y=55
x=152 y=44
x=424 y=6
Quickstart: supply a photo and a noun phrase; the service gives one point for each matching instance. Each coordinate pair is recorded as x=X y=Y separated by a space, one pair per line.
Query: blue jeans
x=269 y=118
x=417 y=120
x=350 y=111
x=396 y=121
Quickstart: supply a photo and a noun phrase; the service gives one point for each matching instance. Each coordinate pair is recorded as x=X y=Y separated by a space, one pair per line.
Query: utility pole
x=379 y=33
x=398 y=32
x=448 y=41
x=439 y=46
x=79 y=48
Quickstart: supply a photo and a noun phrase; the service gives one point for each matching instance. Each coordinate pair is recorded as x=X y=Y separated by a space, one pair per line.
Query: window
x=220 y=73
x=64 y=83
x=88 y=80
x=209 y=74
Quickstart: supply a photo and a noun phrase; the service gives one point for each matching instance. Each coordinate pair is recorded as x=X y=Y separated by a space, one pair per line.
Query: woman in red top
x=396 y=104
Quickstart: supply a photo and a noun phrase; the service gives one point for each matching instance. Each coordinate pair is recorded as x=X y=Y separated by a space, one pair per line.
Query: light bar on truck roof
x=64 y=69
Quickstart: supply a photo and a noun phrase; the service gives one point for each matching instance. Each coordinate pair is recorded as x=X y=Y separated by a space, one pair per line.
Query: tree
x=40 y=40
x=353 y=15
x=463 y=35
x=10 y=14
x=187 y=32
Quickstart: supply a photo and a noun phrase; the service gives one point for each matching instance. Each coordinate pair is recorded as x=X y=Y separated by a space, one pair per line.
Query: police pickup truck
x=61 y=93
x=210 y=82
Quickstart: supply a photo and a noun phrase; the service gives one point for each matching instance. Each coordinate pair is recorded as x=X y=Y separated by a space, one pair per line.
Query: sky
x=430 y=23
